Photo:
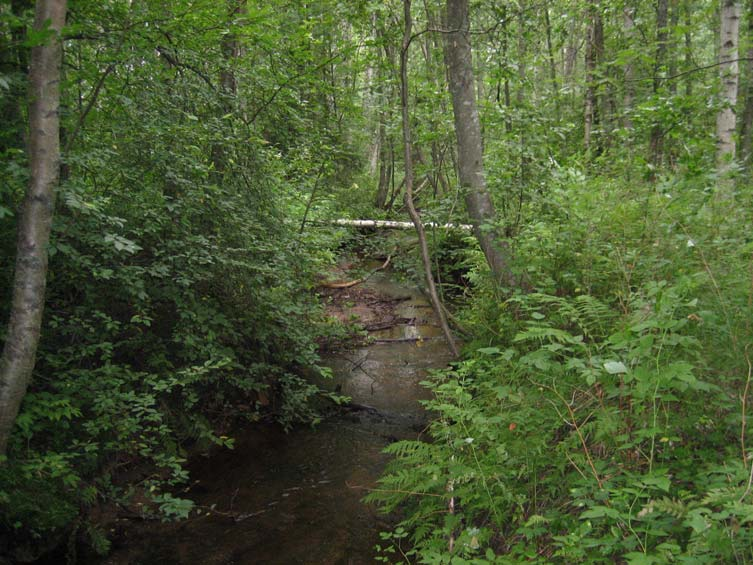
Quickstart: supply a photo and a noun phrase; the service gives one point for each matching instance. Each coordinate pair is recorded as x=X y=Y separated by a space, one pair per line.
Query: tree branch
x=287 y=83
x=89 y=106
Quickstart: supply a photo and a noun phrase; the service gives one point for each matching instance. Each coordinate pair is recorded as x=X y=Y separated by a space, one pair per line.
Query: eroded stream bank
x=296 y=498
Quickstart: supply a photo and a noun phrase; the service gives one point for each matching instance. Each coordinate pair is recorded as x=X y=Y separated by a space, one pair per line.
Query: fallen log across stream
x=398 y=225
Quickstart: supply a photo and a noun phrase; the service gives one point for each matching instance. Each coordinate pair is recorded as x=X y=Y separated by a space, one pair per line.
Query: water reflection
x=296 y=498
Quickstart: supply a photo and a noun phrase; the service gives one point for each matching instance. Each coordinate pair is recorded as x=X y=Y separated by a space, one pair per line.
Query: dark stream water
x=296 y=498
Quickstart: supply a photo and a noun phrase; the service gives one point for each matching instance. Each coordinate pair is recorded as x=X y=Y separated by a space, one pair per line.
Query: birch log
x=399 y=225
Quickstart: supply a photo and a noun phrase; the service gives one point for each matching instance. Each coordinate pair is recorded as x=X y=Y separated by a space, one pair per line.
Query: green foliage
x=178 y=299
x=598 y=418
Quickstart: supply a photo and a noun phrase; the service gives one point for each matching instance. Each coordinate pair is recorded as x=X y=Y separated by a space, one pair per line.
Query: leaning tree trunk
x=726 y=119
x=470 y=154
x=409 y=183
x=19 y=351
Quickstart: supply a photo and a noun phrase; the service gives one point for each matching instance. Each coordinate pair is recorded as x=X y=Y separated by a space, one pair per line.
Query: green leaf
x=615 y=367
x=636 y=558
x=600 y=512
x=660 y=482
x=697 y=521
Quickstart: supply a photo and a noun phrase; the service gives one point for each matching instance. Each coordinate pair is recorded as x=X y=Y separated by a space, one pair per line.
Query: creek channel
x=296 y=497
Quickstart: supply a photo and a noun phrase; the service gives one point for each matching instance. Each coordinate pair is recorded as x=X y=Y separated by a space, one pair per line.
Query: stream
x=296 y=497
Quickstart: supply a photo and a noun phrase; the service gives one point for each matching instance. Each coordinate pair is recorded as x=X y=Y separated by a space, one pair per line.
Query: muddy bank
x=296 y=498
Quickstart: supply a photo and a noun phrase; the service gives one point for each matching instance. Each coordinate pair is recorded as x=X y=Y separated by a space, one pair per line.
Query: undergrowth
x=600 y=417
x=178 y=308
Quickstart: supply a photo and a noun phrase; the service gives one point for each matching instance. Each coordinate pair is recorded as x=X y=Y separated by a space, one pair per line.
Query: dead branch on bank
x=350 y=284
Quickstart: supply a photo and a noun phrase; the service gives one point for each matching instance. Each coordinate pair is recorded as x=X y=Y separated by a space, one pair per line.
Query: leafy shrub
x=178 y=297
x=598 y=419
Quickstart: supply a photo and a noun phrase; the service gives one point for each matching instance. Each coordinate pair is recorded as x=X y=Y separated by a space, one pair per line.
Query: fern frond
x=672 y=506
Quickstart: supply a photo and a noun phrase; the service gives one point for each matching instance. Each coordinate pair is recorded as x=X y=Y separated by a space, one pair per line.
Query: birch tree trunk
x=371 y=100
x=19 y=351
x=746 y=129
x=726 y=119
x=470 y=155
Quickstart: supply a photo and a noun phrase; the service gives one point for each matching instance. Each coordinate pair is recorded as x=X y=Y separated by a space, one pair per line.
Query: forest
x=178 y=178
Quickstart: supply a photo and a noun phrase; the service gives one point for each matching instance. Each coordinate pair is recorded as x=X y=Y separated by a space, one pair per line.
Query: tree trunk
x=674 y=20
x=600 y=111
x=385 y=166
x=570 y=58
x=628 y=25
x=590 y=109
x=552 y=64
x=231 y=51
x=520 y=99
x=688 y=47
x=19 y=351
x=435 y=75
x=372 y=100
x=425 y=257
x=386 y=190
x=726 y=119
x=468 y=132
x=746 y=130
x=503 y=70
x=231 y=48
x=520 y=95
x=660 y=61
